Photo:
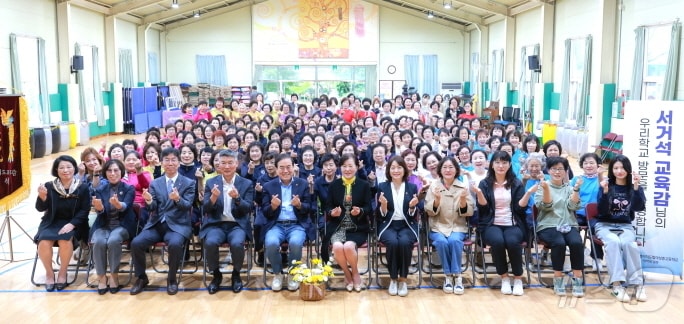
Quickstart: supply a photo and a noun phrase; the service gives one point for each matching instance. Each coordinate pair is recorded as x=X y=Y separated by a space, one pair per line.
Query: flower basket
x=312 y=292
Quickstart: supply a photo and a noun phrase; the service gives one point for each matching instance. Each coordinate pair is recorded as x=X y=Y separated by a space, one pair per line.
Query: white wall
x=229 y=34
x=636 y=13
x=568 y=14
x=497 y=37
x=402 y=34
x=87 y=28
x=127 y=38
x=528 y=32
x=34 y=18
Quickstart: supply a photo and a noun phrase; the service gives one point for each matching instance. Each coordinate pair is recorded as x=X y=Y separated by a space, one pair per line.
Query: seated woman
x=348 y=207
x=557 y=225
x=502 y=220
x=592 y=177
x=448 y=203
x=66 y=203
x=619 y=198
x=115 y=223
x=398 y=229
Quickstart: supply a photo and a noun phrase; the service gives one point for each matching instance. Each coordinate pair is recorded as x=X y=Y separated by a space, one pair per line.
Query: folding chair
x=223 y=264
x=430 y=268
x=363 y=272
x=487 y=268
x=591 y=212
x=379 y=257
x=606 y=145
x=284 y=247
x=73 y=267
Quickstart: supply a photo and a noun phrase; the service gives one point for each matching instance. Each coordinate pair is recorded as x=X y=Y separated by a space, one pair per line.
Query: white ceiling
x=461 y=14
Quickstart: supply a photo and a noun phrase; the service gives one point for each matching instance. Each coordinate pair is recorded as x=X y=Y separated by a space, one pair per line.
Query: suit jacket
x=177 y=213
x=409 y=191
x=361 y=197
x=299 y=187
x=213 y=212
x=127 y=217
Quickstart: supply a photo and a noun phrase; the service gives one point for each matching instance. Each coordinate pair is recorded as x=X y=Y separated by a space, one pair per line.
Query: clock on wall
x=391 y=69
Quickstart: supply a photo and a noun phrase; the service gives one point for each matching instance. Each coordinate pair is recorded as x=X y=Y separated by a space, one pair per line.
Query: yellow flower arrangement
x=314 y=273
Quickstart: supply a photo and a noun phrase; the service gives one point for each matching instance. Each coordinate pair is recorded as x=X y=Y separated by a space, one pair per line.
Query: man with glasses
x=286 y=203
x=168 y=200
x=227 y=202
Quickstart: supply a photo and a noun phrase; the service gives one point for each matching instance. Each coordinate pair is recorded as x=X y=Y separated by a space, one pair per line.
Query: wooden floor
x=258 y=304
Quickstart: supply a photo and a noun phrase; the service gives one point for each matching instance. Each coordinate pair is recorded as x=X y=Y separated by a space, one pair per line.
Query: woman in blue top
x=619 y=198
x=589 y=189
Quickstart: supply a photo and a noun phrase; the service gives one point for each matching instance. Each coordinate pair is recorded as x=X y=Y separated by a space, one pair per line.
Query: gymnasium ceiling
x=160 y=14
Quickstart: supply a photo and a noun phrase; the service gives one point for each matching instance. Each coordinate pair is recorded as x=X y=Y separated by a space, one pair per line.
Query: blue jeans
x=622 y=252
x=450 y=250
x=293 y=234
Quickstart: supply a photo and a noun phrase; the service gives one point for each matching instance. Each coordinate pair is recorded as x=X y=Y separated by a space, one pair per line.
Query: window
x=577 y=49
x=27 y=48
x=655 y=61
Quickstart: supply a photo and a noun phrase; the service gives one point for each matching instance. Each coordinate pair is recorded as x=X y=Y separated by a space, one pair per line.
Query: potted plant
x=312 y=278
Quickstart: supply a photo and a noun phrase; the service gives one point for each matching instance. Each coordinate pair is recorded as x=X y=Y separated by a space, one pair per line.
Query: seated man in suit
x=228 y=200
x=286 y=204
x=168 y=200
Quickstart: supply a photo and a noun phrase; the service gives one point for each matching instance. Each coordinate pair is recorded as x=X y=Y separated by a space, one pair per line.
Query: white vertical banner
x=654 y=146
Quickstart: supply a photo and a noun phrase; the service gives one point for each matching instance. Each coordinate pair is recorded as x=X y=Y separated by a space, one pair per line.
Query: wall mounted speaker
x=77 y=63
x=533 y=62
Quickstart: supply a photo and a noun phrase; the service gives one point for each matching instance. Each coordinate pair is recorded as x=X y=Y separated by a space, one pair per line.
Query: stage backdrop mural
x=654 y=147
x=331 y=31
x=15 y=152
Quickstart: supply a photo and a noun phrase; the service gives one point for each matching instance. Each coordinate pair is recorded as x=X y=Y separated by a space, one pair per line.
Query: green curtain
x=371 y=80
x=81 y=87
x=43 y=84
x=565 y=84
x=14 y=64
x=97 y=89
x=638 y=65
x=126 y=67
x=670 y=83
x=586 y=83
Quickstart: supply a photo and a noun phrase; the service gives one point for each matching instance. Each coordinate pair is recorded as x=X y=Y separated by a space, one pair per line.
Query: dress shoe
x=61 y=285
x=139 y=286
x=50 y=287
x=237 y=283
x=215 y=283
x=172 y=288
x=115 y=289
x=102 y=291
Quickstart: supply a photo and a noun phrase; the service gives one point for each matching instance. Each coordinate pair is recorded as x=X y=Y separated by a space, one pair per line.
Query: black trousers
x=502 y=240
x=226 y=232
x=557 y=241
x=158 y=233
x=398 y=239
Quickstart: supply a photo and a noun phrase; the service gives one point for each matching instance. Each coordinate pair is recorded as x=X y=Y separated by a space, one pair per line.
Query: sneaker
x=292 y=285
x=641 y=294
x=402 y=291
x=559 y=286
x=620 y=294
x=577 y=288
x=392 y=288
x=448 y=287
x=458 y=286
x=277 y=283
x=517 y=287
x=506 y=286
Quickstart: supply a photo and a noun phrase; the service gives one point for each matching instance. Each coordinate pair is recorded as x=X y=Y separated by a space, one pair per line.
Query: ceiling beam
x=88 y=5
x=213 y=13
x=439 y=10
x=415 y=13
x=199 y=4
x=524 y=7
x=131 y=5
x=487 y=5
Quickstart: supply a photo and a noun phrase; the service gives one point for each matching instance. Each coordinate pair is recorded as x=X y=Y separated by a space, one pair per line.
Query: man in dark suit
x=228 y=200
x=168 y=201
x=286 y=204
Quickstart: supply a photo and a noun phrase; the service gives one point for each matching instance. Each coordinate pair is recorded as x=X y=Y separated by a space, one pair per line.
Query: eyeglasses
x=556 y=170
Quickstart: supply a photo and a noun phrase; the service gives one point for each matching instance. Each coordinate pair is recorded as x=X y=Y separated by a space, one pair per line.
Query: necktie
x=169 y=188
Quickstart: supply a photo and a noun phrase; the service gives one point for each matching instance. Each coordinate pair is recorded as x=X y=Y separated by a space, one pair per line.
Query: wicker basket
x=312 y=292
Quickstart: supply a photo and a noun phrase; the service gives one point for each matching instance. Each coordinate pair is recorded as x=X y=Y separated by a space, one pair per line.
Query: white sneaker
x=506 y=286
x=402 y=291
x=277 y=283
x=448 y=287
x=517 y=287
x=620 y=294
x=292 y=285
x=458 y=286
x=641 y=294
x=392 y=288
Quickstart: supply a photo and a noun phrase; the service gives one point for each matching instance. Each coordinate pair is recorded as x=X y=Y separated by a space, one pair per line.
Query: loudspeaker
x=77 y=63
x=533 y=62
